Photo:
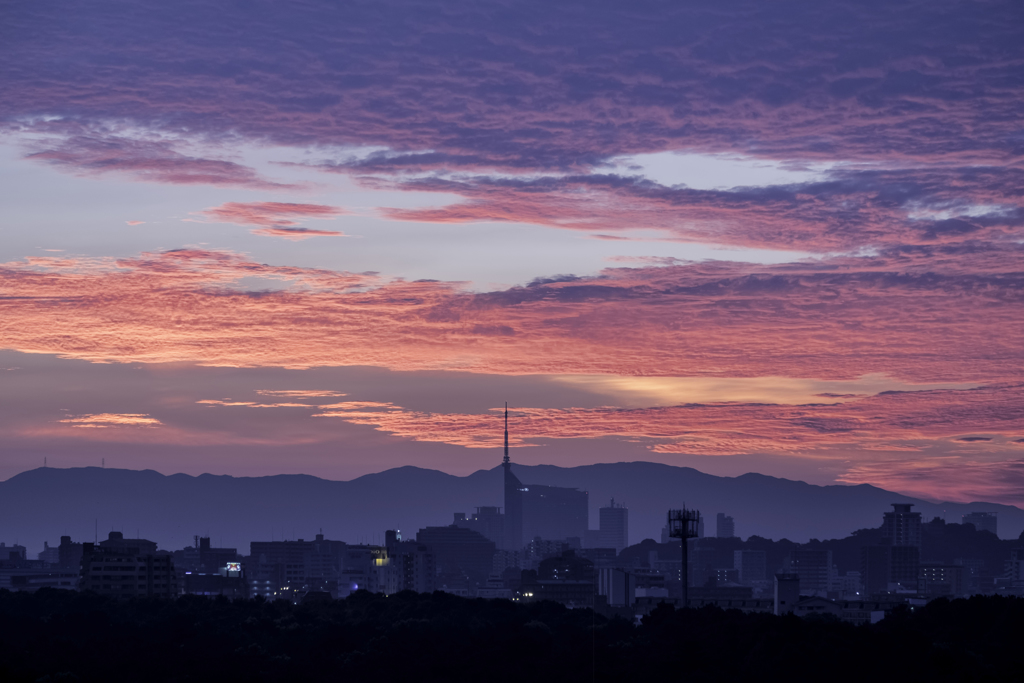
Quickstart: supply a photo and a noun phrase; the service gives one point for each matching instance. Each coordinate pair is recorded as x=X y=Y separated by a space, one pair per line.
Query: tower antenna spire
x=505 y=461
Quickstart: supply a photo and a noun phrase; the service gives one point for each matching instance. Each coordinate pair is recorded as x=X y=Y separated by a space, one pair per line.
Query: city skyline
x=782 y=239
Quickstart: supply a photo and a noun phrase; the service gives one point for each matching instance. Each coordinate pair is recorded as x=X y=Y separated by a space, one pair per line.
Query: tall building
x=725 y=527
x=409 y=566
x=875 y=561
x=69 y=555
x=982 y=521
x=554 y=512
x=901 y=529
x=535 y=511
x=487 y=521
x=613 y=526
x=901 y=526
x=814 y=567
x=702 y=560
x=752 y=565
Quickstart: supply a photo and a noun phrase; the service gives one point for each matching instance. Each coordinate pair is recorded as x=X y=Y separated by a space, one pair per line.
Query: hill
x=45 y=503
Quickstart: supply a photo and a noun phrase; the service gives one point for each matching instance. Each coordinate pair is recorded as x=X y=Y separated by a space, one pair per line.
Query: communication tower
x=682 y=524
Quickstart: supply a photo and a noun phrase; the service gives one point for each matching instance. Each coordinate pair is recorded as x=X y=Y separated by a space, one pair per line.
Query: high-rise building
x=702 y=563
x=751 y=564
x=901 y=529
x=901 y=526
x=535 y=511
x=69 y=555
x=614 y=526
x=409 y=566
x=875 y=561
x=487 y=521
x=725 y=527
x=982 y=521
x=814 y=567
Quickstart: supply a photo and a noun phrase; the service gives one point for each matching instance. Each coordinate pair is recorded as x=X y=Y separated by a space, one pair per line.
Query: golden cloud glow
x=104 y=420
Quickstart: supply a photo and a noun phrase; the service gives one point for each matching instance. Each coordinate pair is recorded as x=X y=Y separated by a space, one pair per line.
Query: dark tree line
x=64 y=636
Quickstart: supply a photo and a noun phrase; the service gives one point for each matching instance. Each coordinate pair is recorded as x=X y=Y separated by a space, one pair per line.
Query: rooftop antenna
x=505 y=461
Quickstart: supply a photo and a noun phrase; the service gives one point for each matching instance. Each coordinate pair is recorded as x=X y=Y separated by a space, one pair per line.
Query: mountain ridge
x=43 y=504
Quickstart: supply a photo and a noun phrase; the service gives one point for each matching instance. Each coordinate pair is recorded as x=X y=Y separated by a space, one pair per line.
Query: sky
x=254 y=238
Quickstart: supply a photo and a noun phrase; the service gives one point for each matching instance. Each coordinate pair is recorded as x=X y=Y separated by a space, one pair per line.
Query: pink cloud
x=837 y=318
x=275 y=219
x=135 y=222
x=846 y=210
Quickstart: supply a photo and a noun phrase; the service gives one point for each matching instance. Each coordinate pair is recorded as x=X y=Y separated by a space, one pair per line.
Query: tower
x=682 y=524
x=513 y=501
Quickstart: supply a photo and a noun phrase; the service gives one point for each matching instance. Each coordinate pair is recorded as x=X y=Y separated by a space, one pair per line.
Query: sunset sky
x=333 y=238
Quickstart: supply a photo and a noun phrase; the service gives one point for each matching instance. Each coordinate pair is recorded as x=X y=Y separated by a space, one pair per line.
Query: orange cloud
x=104 y=420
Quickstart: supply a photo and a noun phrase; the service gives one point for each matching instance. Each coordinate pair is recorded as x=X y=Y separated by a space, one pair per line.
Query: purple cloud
x=536 y=86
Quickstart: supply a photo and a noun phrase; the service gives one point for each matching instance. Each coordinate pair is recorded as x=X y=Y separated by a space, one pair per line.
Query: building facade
x=127 y=568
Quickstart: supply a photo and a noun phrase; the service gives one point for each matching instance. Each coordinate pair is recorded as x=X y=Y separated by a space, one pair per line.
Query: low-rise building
x=127 y=568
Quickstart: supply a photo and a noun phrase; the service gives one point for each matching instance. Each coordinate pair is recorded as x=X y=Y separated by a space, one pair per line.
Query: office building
x=614 y=526
x=937 y=580
x=702 y=563
x=127 y=568
x=487 y=521
x=228 y=581
x=787 y=593
x=982 y=521
x=618 y=586
x=286 y=569
x=463 y=557
x=814 y=567
x=724 y=526
x=752 y=565
x=12 y=553
x=566 y=567
x=49 y=555
x=875 y=561
x=69 y=555
x=204 y=559
x=409 y=566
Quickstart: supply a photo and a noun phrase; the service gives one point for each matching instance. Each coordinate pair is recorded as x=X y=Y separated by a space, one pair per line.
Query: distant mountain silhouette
x=43 y=504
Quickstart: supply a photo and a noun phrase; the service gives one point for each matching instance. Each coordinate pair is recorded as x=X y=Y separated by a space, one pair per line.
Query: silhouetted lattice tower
x=682 y=524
